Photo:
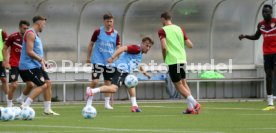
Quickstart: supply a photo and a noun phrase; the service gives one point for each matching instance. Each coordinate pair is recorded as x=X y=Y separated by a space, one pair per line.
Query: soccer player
x=14 y=41
x=32 y=65
x=267 y=28
x=3 y=38
x=105 y=41
x=130 y=58
x=173 y=40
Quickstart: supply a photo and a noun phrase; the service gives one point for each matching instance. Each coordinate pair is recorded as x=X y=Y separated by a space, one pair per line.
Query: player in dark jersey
x=267 y=28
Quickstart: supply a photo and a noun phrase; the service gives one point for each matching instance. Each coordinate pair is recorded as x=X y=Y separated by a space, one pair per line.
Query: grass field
x=215 y=117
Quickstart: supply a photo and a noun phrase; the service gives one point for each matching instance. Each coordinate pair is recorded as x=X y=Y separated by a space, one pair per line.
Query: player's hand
x=43 y=64
x=6 y=65
x=110 y=60
x=88 y=61
x=241 y=36
x=148 y=75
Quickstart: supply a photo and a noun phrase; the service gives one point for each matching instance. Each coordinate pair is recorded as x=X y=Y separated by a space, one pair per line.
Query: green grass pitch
x=215 y=117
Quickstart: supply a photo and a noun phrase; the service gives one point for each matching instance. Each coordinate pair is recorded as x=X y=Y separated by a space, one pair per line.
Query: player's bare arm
x=89 y=51
x=5 y=57
x=29 y=49
x=256 y=36
x=189 y=43
x=117 y=53
x=141 y=68
x=164 y=48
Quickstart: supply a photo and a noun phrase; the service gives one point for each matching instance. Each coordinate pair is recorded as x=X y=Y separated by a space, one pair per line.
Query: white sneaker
x=108 y=107
x=50 y=112
x=19 y=100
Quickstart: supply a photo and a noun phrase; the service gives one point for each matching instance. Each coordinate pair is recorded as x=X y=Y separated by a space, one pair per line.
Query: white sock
x=47 y=105
x=133 y=101
x=9 y=103
x=191 y=100
x=106 y=101
x=7 y=97
x=89 y=101
x=28 y=102
x=270 y=100
x=95 y=90
x=190 y=105
x=22 y=97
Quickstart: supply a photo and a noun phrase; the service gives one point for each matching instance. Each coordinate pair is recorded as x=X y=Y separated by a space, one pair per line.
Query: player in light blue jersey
x=32 y=65
x=130 y=58
x=102 y=46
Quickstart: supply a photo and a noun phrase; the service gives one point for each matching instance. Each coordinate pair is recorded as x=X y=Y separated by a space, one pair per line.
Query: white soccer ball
x=7 y=114
x=17 y=112
x=131 y=81
x=27 y=113
x=89 y=112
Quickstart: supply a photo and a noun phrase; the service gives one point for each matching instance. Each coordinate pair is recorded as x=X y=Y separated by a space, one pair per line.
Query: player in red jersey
x=267 y=28
x=3 y=38
x=14 y=41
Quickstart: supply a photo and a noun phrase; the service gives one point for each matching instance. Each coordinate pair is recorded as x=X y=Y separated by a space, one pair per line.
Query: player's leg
x=268 y=66
x=48 y=95
x=96 y=73
x=107 y=96
x=107 y=74
x=13 y=77
x=4 y=81
x=115 y=83
x=178 y=75
x=29 y=85
x=134 y=105
x=36 y=76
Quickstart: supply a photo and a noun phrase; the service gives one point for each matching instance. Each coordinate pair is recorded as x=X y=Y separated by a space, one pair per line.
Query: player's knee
x=30 y=85
x=114 y=88
x=44 y=86
x=94 y=82
x=14 y=85
x=3 y=80
x=48 y=82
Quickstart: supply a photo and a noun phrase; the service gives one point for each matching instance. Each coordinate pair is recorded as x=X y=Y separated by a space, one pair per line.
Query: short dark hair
x=148 y=39
x=107 y=16
x=268 y=6
x=166 y=15
x=37 y=18
x=25 y=22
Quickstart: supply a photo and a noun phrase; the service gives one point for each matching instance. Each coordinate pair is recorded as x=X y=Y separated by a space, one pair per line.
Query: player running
x=129 y=60
x=173 y=40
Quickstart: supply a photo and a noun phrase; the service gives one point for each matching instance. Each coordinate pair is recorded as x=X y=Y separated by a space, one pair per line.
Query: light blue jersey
x=105 y=46
x=128 y=62
x=26 y=62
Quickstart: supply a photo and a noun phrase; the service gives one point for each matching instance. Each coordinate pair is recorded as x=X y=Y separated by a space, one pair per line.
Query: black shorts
x=36 y=75
x=269 y=61
x=177 y=72
x=97 y=70
x=2 y=71
x=119 y=77
x=13 y=75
